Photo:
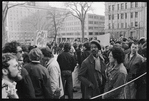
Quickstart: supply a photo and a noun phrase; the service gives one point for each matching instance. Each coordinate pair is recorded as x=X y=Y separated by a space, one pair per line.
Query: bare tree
x=79 y=10
x=5 y=8
x=56 y=17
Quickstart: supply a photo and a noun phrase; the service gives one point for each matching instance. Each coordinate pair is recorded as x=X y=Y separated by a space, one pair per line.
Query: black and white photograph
x=74 y=50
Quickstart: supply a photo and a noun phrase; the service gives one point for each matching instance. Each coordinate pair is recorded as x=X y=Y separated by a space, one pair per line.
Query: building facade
x=23 y=21
x=126 y=18
x=71 y=30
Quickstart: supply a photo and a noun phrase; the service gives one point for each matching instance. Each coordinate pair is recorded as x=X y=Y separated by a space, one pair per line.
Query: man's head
x=67 y=47
x=141 y=41
x=134 y=47
x=86 y=46
x=95 y=47
x=14 y=47
x=10 y=67
x=47 y=52
x=35 y=55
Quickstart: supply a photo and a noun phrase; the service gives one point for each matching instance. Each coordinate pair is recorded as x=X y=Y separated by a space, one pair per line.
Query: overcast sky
x=99 y=7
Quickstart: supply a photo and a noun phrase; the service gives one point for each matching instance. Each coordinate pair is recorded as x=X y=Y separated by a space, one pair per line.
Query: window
x=112 y=26
x=131 y=14
x=112 y=7
x=125 y=15
x=109 y=7
x=125 y=5
x=136 y=24
x=95 y=22
x=90 y=28
x=90 y=22
x=109 y=26
x=136 y=4
x=131 y=4
x=122 y=25
x=122 y=16
x=109 y=17
x=90 y=33
x=96 y=33
x=131 y=24
x=112 y=16
x=117 y=16
x=118 y=25
x=117 y=6
x=125 y=25
x=122 y=6
x=136 y=14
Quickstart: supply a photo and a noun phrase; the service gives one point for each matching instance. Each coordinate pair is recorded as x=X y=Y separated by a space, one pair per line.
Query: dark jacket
x=141 y=82
x=79 y=56
x=25 y=87
x=85 y=54
x=40 y=79
x=66 y=61
x=87 y=75
x=115 y=77
x=132 y=65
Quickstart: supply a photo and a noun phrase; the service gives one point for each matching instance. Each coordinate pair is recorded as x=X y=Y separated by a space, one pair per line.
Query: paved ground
x=76 y=95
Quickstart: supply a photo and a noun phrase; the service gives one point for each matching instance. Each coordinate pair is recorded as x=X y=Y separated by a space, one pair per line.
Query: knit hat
x=97 y=43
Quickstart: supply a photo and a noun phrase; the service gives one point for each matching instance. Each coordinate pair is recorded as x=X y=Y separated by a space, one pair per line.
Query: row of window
x=72 y=33
x=96 y=33
x=124 y=15
x=96 y=28
x=121 y=6
x=96 y=22
x=96 y=17
x=123 y=25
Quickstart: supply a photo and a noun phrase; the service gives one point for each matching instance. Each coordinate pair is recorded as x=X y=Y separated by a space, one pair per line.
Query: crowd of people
x=34 y=72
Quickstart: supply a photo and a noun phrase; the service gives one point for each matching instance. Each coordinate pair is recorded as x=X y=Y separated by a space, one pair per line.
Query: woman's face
x=111 y=59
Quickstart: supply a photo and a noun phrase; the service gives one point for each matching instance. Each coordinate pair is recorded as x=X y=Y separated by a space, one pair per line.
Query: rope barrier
x=119 y=86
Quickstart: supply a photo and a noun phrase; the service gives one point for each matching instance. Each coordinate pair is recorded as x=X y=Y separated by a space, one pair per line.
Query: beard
x=16 y=78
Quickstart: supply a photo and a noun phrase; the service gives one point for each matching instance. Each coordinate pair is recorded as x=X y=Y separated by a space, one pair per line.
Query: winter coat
x=55 y=76
x=132 y=65
x=87 y=75
x=115 y=77
x=25 y=88
x=66 y=61
x=40 y=79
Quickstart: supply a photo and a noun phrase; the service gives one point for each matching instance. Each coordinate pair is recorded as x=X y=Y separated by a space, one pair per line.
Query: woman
x=115 y=75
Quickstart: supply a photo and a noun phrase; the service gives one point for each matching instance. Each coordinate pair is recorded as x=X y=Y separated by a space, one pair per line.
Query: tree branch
x=16 y=5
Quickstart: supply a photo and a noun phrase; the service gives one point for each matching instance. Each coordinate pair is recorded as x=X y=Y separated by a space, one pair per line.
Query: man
x=92 y=70
x=132 y=62
x=55 y=73
x=11 y=72
x=67 y=64
x=25 y=87
x=141 y=43
x=39 y=75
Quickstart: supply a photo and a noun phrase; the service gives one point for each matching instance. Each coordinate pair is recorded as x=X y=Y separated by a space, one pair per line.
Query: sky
x=98 y=7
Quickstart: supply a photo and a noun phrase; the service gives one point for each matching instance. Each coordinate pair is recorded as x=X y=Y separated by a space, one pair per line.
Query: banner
x=41 y=38
x=104 y=39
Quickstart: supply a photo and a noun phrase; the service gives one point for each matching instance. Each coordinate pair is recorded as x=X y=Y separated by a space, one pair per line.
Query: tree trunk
x=82 y=29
